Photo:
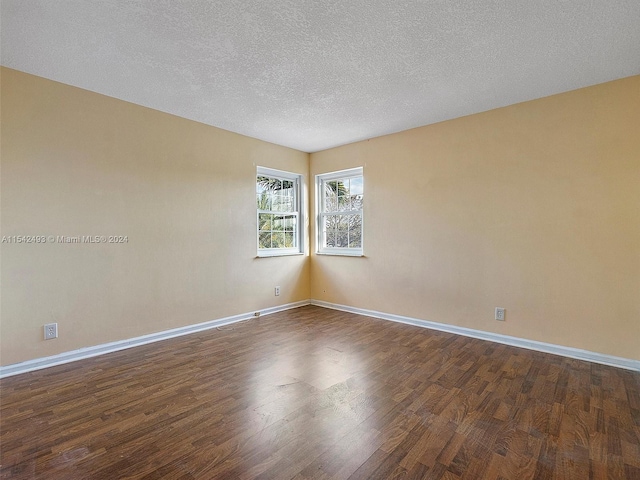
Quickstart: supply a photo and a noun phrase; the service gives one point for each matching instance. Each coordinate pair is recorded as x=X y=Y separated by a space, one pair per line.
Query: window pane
x=276 y=203
x=277 y=240
x=330 y=238
x=261 y=183
x=331 y=196
x=330 y=223
x=289 y=240
x=343 y=194
x=287 y=204
x=264 y=240
x=265 y=221
x=289 y=223
x=263 y=201
x=332 y=188
x=278 y=223
x=287 y=187
x=331 y=204
x=344 y=203
x=356 y=186
x=330 y=229
x=342 y=237
x=355 y=231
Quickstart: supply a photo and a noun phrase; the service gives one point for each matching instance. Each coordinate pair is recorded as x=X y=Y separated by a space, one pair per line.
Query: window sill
x=341 y=254
x=283 y=254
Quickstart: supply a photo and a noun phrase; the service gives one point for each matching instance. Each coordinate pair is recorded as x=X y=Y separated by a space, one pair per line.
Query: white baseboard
x=570 y=352
x=72 y=356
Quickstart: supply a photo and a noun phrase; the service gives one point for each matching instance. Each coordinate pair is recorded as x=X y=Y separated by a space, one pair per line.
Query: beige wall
x=78 y=163
x=534 y=207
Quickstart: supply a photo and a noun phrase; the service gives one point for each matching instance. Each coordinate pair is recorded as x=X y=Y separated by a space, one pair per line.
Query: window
x=339 y=197
x=279 y=218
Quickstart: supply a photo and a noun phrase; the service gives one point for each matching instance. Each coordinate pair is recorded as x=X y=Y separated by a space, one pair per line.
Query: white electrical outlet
x=500 y=314
x=277 y=291
x=50 y=331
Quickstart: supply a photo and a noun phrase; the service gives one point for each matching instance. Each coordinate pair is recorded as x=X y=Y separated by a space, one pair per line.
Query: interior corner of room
x=533 y=207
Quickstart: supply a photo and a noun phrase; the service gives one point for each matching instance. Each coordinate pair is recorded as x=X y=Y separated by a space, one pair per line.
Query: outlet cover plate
x=50 y=331
x=500 y=314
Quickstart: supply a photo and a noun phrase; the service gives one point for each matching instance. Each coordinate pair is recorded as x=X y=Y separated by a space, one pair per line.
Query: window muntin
x=278 y=212
x=340 y=212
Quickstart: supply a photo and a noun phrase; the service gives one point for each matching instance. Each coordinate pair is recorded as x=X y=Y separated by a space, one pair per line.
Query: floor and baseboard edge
x=88 y=352
x=570 y=352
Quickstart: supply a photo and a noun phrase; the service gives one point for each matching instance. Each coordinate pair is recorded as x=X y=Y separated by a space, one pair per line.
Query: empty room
x=320 y=239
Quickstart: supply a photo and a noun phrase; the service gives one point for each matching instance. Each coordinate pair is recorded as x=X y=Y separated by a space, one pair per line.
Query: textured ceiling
x=316 y=74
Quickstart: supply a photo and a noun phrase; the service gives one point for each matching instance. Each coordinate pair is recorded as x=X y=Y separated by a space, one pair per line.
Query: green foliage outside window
x=277 y=215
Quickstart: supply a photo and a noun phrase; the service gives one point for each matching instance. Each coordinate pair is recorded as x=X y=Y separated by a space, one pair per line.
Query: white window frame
x=296 y=211
x=321 y=180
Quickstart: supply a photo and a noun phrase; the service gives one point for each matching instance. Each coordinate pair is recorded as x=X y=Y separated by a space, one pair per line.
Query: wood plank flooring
x=313 y=393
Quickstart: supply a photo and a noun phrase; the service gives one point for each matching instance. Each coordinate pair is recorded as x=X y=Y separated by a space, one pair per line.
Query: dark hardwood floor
x=314 y=393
